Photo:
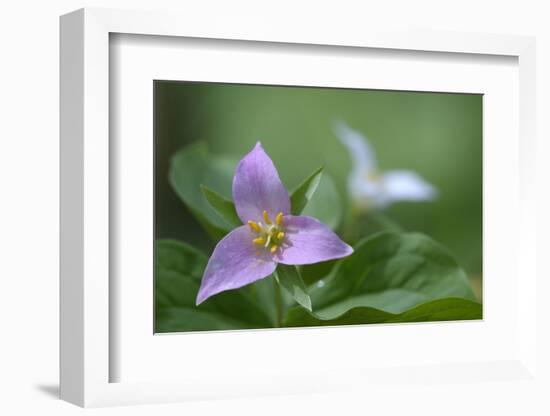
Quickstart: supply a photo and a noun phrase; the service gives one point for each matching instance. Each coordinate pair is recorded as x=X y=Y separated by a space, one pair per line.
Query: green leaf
x=325 y=204
x=289 y=277
x=448 y=309
x=312 y=273
x=223 y=206
x=192 y=166
x=392 y=273
x=263 y=293
x=178 y=272
x=300 y=197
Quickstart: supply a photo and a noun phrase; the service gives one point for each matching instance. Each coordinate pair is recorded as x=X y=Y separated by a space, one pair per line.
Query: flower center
x=372 y=176
x=269 y=234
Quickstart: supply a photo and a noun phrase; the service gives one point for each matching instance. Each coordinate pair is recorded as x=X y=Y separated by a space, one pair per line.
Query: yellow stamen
x=254 y=226
x=269 y=234
x=259 y=240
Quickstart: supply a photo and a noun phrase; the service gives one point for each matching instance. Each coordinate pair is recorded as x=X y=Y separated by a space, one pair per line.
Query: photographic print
x=285 y=206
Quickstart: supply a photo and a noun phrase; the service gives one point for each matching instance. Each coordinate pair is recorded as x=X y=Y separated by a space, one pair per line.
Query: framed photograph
x=260 y=212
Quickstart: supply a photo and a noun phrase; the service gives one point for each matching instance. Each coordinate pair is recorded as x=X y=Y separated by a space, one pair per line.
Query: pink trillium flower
x=269 y=234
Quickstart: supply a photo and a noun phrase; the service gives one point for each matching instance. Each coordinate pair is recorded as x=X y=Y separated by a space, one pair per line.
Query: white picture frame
x=87 y=302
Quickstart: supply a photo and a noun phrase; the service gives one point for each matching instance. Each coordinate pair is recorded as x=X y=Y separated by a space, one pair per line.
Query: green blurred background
x=438 y=135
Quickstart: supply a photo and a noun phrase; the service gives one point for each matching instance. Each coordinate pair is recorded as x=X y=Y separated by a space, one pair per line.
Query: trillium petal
x=367 y=191
x=309 y=241
x=257 y=187
x=360 y=151
x=234 y=263
x=404 y=185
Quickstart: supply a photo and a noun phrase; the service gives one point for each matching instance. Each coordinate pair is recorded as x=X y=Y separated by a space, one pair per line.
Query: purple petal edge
x=310 y=241
x=233 y=264
x=257 y=187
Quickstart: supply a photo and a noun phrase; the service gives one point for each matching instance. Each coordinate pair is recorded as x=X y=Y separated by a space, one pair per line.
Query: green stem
x=351 y=223
x=278 y=303
x=384 y=222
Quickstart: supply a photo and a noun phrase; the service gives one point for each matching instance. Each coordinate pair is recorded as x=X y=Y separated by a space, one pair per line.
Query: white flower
x=368 y=187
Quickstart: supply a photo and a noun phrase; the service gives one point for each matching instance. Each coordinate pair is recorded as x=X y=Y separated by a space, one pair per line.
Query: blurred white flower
x=368 y=187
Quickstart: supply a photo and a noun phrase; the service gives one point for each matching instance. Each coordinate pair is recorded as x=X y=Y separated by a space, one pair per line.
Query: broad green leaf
x=390 y=272
x=178 y=272
x=448 y=309
x=312 y=273
x=216 y=232
x=325 y=204
x=223 y=206
x=192 y=166
x=303 y=193
x=289 y=278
